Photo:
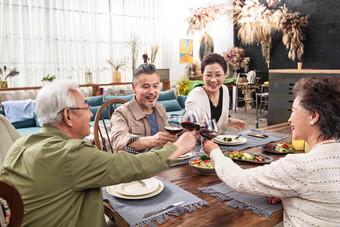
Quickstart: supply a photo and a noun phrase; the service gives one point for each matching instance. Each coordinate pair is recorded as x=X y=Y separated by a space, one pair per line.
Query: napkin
x=254 y=141
x=257 y=204
x=133 y=210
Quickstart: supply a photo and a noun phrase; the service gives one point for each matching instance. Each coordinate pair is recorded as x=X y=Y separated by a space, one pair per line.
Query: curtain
x=66 y=37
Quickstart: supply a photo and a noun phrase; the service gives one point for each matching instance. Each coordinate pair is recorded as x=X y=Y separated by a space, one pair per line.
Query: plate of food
x=203 y=165
x=113 y=190
x=252 y=158
x=280 y=148
x=230 y=139
x=185 y=156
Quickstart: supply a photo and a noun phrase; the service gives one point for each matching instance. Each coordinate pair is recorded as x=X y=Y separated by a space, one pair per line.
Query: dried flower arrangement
x=201 y=17
x=118 y=63
x=256 y=24
x=11 y=74
x=134 y=45
x=154 y=51
x=236 y=59
x=293 y=25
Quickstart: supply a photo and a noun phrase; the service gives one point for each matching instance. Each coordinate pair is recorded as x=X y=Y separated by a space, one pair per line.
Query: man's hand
x=239 y=124
x=161 y=138
x=185 y=143
x=273 y=200
x=209 y=145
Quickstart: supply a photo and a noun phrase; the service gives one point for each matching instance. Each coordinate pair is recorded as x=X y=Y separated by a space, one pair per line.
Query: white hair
x=53 y=98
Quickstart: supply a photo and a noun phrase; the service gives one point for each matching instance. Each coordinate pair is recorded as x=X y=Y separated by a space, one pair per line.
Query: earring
x=311 y=123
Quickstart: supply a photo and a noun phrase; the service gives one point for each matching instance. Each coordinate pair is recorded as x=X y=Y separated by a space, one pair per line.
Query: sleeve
x=93 y=168
x=120 y=135
x=223 y=122
x=285 y=177
x=199 y=102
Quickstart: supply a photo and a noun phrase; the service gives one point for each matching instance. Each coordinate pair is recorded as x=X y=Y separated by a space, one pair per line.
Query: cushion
x=170 y=105
x=124 y=97
x=2 y=111
x=94 y=110
x=166 y=95
x=24 y=124
x=95 y=100
x=36 y=119
x=181 y=100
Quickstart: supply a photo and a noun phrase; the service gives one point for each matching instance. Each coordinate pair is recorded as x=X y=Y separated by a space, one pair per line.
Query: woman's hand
x=273 y=200
x=239 y=124
x=209 y=146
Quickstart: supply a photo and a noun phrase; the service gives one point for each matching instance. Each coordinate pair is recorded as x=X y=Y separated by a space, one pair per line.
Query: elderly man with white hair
x=60 y=176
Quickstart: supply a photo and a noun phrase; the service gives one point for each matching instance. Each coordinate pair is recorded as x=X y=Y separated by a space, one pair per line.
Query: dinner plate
x=219 y=139
x=268 y=160
x=185 y=156
x=275 y=151
x=112 y=190
x=136 y=188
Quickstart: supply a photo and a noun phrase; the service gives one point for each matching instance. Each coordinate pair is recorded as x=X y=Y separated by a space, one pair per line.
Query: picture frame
x=206 y=46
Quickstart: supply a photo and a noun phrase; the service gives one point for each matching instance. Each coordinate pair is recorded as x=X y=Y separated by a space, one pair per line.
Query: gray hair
x=53 y=98
x=143 y=68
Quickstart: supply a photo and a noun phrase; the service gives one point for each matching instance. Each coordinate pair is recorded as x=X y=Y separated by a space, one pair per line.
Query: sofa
x=171 y=102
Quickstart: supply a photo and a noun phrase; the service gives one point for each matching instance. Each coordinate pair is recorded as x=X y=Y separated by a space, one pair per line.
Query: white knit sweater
x=308 y=184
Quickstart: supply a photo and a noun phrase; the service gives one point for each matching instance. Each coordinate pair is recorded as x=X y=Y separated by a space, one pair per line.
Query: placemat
x=257 y=204
x=254 y=141
x=133 y=210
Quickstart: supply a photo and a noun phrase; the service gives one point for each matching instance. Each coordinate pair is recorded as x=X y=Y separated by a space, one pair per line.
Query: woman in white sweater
x=213 y=98
x=307 y=184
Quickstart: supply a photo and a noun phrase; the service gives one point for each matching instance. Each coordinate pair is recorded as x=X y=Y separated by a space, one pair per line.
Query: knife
x=164 y=208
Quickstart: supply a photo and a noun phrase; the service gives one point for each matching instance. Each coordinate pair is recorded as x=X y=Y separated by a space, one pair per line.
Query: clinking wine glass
x=208 y=130
x=190 y=120
x=174 y=124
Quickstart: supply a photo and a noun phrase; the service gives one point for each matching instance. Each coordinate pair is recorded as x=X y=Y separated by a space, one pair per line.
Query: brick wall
x=322 y=44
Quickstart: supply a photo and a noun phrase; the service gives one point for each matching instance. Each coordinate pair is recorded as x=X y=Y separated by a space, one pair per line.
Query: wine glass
x=173 y=125
x=208 y=130
x=190 y=120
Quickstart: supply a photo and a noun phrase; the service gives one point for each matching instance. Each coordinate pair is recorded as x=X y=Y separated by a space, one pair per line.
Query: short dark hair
x=214 y=58
x=143 y=68
x=322 y=94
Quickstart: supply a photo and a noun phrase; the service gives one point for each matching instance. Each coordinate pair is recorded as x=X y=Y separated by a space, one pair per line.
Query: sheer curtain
x=64 y=37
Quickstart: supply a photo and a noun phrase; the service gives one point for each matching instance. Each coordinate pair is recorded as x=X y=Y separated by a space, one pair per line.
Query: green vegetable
x=205 y=157
x=229 y=139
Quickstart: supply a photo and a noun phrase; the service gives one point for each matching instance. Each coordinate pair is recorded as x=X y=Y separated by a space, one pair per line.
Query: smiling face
x=147 y=91
x=213 y=77
x=299 y=120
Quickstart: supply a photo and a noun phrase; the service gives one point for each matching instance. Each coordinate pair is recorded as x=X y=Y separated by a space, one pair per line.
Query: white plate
x=240 y=140
x=185 y=156
x=135 y=188
x=112 y=190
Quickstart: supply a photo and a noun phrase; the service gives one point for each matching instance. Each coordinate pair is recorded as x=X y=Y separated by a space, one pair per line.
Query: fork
x=142 y=183
x=237 y=137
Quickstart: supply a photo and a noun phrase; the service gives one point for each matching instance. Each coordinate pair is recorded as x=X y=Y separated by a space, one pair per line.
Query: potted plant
x=12 y=73
x=116 y=65
x=48 y=78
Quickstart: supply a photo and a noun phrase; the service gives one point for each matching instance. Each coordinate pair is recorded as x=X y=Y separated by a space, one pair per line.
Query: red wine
x=190 y=126
x=208 y=133
x=173 y=129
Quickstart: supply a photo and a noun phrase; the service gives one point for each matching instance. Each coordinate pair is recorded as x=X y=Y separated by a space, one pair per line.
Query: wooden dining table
x=218 y=213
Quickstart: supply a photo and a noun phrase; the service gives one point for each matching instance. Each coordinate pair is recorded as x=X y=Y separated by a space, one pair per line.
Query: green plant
x=183 y=84
x=48 y=78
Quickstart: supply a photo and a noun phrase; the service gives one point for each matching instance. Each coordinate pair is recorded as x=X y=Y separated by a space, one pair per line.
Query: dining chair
x=11 y=203
x=102 y=124
x=247 y=89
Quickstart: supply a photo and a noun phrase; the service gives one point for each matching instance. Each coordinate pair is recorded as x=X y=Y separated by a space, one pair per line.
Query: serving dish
x=201 y=170
x=273 y=150
x=223 y=139
x=265 y=159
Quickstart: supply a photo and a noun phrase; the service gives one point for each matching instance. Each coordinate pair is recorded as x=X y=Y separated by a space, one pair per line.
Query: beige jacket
x=129 y=120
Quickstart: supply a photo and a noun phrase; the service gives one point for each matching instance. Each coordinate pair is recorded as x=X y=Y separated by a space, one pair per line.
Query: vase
x=3 y=84
x=116 y=76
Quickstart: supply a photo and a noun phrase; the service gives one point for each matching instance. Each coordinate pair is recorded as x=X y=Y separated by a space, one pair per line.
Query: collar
x=54 y=131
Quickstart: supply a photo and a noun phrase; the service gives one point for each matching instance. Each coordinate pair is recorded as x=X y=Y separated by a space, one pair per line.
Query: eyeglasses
x=76 y=108
x=209 y=77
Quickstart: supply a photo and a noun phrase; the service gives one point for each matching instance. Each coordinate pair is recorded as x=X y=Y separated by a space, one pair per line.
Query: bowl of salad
x=203 y=165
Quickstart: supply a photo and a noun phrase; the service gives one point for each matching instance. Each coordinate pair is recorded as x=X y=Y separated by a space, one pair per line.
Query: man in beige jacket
x=139 y=123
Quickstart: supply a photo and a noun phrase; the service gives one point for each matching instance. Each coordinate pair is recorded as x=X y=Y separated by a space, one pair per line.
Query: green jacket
x=60 y=179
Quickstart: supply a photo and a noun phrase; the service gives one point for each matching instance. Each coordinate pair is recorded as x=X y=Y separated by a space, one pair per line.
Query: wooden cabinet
x=281 y=82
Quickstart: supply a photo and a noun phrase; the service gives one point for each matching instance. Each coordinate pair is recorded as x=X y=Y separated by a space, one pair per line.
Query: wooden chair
x=101 y=131
x=10 y=193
